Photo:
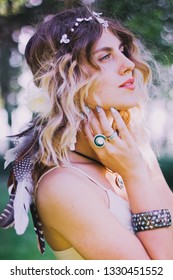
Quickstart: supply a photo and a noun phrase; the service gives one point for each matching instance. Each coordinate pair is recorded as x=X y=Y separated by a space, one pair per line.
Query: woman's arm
x=122 y=155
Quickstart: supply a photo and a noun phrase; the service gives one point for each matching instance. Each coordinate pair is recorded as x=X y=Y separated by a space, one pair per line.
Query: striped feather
x=22 y=203
x=7 y=216
x=38 y=228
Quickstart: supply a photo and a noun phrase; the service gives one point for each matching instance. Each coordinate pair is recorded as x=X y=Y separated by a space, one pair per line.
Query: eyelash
x=107 y=56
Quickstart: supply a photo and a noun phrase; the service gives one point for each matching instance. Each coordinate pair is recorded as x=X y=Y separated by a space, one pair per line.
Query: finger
x=105 y=125
x=121 y=126
x=94 y=123
x=113 y=136
x=110 y=146
x=88 y=133
x=92 y=139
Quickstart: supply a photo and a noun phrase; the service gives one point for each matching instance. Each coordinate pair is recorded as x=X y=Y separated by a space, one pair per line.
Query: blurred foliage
x=166 y=164
x=151 y=20
x=9 y=6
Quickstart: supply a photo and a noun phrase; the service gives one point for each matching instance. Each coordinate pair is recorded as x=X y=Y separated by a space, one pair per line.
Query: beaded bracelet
x=151 y=220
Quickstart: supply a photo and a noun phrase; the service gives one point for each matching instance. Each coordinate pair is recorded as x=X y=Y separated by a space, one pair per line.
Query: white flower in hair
x=64 y=39
x=102 y=21
x=39 y=102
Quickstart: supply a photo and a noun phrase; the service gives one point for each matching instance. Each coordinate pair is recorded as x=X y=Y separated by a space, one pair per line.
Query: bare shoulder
x=62 y=181
x=57 y=177
x=66 y=191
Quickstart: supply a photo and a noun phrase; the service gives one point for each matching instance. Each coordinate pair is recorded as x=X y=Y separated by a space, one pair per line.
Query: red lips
x=128 y=84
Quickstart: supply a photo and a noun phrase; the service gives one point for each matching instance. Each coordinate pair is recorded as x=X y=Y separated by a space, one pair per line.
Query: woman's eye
x=105 y=57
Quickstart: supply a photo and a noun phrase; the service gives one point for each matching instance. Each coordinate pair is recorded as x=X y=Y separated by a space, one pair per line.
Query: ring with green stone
x=99 y=140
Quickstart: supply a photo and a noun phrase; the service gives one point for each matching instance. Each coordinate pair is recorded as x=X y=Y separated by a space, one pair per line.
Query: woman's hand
x=123 y=156
x=119 y=154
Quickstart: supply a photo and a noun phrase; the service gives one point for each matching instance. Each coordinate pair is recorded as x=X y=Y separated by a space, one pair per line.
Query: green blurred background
x=150 y=20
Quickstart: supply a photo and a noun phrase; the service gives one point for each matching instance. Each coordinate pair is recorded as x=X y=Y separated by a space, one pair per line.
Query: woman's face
x=116 y=87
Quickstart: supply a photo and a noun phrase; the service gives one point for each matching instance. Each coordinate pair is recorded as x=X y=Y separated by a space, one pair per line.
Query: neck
x=82 y=148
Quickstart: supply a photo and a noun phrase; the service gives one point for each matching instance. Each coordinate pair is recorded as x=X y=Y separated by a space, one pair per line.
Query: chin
x=133 y=102
x=125 y=107
x=133 y=105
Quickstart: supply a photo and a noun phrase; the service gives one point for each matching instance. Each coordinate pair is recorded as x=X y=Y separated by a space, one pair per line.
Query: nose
x=126 y=66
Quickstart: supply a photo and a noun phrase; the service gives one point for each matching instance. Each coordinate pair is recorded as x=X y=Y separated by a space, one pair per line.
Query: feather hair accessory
x=7 y=216
x=21 y=185
x=23 y=196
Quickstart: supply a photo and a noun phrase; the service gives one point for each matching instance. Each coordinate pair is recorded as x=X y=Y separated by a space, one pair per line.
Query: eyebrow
x=108 y=49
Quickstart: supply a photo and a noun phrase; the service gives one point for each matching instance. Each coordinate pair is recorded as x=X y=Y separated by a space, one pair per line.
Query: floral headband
x=104 y=23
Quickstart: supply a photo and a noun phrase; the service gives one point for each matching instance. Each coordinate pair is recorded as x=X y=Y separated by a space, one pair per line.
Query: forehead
x=107 y=39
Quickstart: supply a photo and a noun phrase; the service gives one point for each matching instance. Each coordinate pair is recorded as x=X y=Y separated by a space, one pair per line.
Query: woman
x=91 y=69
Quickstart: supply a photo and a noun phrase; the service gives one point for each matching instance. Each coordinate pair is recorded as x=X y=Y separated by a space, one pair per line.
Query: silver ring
x=99 y=140
x=112 y=136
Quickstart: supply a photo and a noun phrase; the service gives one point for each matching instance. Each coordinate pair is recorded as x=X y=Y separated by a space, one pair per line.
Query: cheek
x=100 y=98
x=103 y=91
x=94 y=99
x=108 y=80
x=101 y=95
x=96 y=94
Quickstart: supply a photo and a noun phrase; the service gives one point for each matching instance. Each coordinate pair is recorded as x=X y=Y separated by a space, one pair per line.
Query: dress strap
x=109 y=192
x=36 y=187
x=76 y=168
x=85 y=174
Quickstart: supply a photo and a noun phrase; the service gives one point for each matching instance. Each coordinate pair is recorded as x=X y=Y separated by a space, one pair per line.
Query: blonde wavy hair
x=60 y=70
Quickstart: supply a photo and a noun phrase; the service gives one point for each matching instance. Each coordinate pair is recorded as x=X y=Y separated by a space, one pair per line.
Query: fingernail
x=98 y=109
x=113 y=110
x=87 y=109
